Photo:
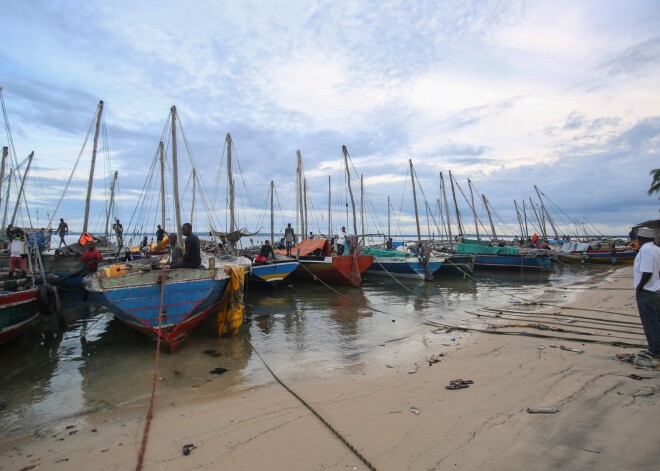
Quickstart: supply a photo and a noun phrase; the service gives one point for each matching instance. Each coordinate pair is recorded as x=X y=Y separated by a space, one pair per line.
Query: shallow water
x=302 y=330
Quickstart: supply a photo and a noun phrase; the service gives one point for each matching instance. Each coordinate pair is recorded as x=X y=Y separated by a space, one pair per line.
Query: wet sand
x=605 y=419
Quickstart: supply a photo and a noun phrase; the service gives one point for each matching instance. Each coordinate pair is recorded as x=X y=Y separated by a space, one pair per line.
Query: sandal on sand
x=457 y=386
x=646 y=363
x=461 y=381
x=625 y=356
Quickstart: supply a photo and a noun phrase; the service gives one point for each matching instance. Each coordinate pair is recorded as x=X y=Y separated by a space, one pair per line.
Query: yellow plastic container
x=113 y=270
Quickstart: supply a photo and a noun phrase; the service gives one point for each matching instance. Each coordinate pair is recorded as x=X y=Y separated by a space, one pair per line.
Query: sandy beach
x=395 y=412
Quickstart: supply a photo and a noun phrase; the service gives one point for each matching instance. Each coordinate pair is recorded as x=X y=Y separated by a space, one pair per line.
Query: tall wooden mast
x=230 y=185
x=5 y=152
x=175 y=177
x=299 y=181
x=474 y=209
x=350 y=189
x=458 y=213
x=329 y=209
x=20 y=190
x=272 y=212
x=110 y=205
x=162 y=185
x=490 y=218
x=444 y=195
x=194 y=185
x=90 y=182
x=427 y=274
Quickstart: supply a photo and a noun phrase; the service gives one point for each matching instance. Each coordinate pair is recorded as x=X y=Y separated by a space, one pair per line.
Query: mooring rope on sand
x=355 y=451
x=528 y=334
x=150 y=413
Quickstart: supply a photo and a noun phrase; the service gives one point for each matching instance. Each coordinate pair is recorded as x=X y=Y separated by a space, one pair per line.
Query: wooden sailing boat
x=499 y=256
x=166 y=304
x=270 y=272
x=63 y=265
x=315 y=255
x=403 y=265
x=22 y=298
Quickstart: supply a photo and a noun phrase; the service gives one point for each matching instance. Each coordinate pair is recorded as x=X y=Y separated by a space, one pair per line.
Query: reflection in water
x=300 y=330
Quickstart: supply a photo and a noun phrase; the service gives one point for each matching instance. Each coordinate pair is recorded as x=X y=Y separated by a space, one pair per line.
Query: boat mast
x=362 y=206
x=20 y=191
x=300 y=195
x=458 y=213
x=230 y=185
x=350 y=190
x=490 y=218
x=427 y=274
x=329 y=209
x=272 y=213
x=4 y=217
x=305 y=205
x=543 y=213
x=99 y=113
x=112 y=201
x=552 y=223
x=389 y=233
x=520 y=221
x=536 y=216
x=5 y=152
x=412 y=177
x=525 y=218
x=162 y=184
x=194 y=182
x=444 y=196
x=474 y=209
x=175 y=177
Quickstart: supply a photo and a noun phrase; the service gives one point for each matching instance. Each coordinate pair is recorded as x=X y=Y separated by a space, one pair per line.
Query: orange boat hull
x=338 y=269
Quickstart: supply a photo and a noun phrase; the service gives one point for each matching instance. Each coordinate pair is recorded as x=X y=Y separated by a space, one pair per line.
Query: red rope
x=150 y=414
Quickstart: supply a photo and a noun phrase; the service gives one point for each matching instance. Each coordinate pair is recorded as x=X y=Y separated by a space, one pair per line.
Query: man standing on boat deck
x=160 y=234
x=119 y=231
x=289 y=239
x=646 y=275
x=192 y=257
x=62 y=230
x=341 y=241
x=18 y=250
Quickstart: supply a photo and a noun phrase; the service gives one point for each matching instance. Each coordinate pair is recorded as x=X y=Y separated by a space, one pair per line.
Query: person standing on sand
x=646 y=276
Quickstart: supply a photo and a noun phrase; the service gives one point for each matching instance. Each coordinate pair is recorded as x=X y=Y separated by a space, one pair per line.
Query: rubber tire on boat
x=43 y=300
x=48 y=301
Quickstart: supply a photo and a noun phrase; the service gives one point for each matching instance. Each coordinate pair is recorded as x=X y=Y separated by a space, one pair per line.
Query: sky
x=561 y=95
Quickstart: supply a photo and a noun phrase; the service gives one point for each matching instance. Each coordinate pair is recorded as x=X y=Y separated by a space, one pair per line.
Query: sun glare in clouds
x=323 y=89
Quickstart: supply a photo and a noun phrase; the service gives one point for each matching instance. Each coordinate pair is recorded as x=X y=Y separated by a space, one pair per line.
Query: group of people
x=289 y=240
x=179 y=257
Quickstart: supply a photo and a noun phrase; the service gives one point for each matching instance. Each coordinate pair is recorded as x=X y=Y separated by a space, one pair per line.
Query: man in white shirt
x=646 y=277
x=17 y=252
x=341 y=241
